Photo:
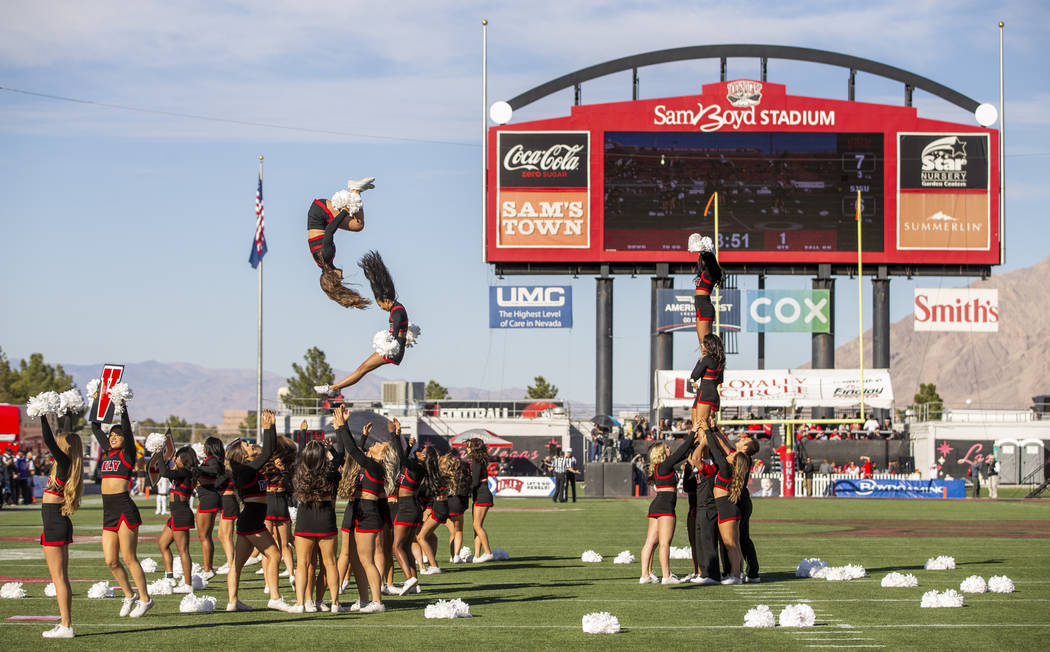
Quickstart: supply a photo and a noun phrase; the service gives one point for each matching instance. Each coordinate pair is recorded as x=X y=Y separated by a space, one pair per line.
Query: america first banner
x=782 y=388
x=543 y=192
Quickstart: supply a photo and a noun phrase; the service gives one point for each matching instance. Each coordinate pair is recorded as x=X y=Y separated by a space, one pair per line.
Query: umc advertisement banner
x=781 y=387
x=530 y=306
x=894 y=488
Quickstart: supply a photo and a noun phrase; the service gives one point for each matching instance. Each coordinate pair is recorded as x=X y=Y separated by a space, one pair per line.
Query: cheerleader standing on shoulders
x=733 y=468
x=209 y=500
x=315 y=481
x=707 y=376
x=65 y=487
x=278 y=472
x=326 y=216
x=244 y=461
x=457 y=474
x=482 y=495
x=664 y=479
x=120 y=515
x=183 y=478
x=369 y=518
x=708 y=275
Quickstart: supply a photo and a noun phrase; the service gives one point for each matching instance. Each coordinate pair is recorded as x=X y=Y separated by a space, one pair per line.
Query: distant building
x=232 y=420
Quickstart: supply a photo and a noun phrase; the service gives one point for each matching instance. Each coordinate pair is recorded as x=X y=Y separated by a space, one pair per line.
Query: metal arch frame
x=743 y=50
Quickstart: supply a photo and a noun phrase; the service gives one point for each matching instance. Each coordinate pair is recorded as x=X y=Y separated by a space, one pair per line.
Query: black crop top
x=708 y=370
x=664 y=475
x=320 y=217
x=479 y=473
x=181 y=481
x=63 y=463
x=118 y=463
x=710 y=272
x=246 y=478
x=723 y=469
x=412 y=470
x=373 y=472
x=211 y=469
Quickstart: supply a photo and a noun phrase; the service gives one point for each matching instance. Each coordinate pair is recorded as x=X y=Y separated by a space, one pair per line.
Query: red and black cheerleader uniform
x=209 y=498
x=322 y=247
x=689 y=488
x=458 y=503
x=709 y=373
x=350 y=513
x=398 y=331
x=369 y=518
x=181 y=490
x=251 y=483
x=317 y=517
x=439 y=508
x=118 y=508
x=665 y=481
x=727 y=509
x=409 y=510
x=707 y=536
x=710 y=275
x=58 y=529
x=277 y=503
x=479 y=484
x=231 y=508
x=747 y=546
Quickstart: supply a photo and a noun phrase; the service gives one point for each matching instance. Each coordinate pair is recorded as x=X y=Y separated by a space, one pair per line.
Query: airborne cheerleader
x=326 y=216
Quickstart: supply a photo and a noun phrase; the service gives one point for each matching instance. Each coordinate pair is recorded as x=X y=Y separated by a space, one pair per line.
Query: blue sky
x=125 y=234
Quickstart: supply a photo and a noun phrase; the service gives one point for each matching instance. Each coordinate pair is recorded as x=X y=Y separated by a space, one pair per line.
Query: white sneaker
x=688 y=578
x=373 y=608
x=645 y=580
x=182 y=587
x=706 y=581
x=127 y=604
x=483 y=558
x=407 y=586
x=386 y=589
x=237 y=606
x=455 y=560
x=223 y=570
x=310 y=607
x=208 y=574
x=732 y=580
x=338 y=608
x=141 y=608
x=344 y=586
x=753 y=580
x=322 y=389
x=287 y=573
x=278 y=605
x=362 y=184
x=58 y=631
x=431 y=570
x=266 y=590
x=321 y=606
x=671 y=579
x=261 y=571
x=356 y=606
x=253 y=560
x=297 y=609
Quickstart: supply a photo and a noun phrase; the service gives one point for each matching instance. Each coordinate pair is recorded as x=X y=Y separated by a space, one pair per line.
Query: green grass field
x=537 y=599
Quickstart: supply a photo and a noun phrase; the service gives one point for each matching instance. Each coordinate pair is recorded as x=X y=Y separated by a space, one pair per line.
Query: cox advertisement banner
x=677 y=312
x=957 y=309
x=530 y=306
x=893 y=488
x=787 y=311
x=781 y=387
x=510 y=486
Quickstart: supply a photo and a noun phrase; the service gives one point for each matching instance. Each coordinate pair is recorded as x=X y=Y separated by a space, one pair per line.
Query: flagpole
x=259 y=352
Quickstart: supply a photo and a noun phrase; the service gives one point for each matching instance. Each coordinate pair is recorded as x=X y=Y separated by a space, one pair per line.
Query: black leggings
x=747 y=546
x=708 y=540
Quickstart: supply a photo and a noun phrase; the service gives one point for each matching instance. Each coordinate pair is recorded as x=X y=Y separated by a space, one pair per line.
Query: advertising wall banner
x=787 y=311
x=512 y=486
x=957 y=309
x=677 y=312
x=780 y=387
x=893 y=488
x=530 y=306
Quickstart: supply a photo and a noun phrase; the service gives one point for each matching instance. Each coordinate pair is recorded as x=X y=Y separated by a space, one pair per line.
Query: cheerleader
x=457 y=476
x=689 y=489
x=343 y=211
x=664 y=479
x=183 y=477
x=231 y=509
x=209 y=500
x=478 y=454
x=369 y=518
x=65 y=487
x=349 y=561
x=390 y=347
x=278 y=472
x=706 y=551
x=709 y=274
x=120 y=514
x=244 y=460
x=733 y=468
x=707 y=376
x=435 y=490
x=409 y=513
x=315 y=480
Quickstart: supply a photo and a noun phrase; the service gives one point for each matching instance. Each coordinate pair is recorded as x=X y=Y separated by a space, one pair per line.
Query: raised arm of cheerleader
x=52 y=446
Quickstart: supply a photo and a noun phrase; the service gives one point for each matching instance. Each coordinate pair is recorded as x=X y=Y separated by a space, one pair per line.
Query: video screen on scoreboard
x=778 y=191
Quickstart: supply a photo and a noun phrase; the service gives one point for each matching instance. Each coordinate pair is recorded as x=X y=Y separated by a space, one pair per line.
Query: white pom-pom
x=43 y=403
x=465 y=554
x=70 y=401
x=92 y=387
x=935 y=600
x=385 y=344
x=973 y=584
x=797 y=615
x=940 y=563
x=163 y=586
x=412 y=335
x=351 y=201
x=100 y=590
x=898 y=580
x=624 y=557
x=120 y=393
x=455 y=608
x=685 y=552
x=707 y=244
x=155 y=441
x=198 y=448
x=499 y=554
x=50 y=590
x=148 y=565
x=12 y=590
x=760 y=616
x=807 y=567
x=191 y=604
x=1000 y=584
x=293 y=514
x=841 y=573
x=590 y=557
x=176 y=568
x=601 y=622
x=199 y=583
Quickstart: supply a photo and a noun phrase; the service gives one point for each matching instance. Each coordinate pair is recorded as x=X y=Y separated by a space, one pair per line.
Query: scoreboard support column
x=880 y=327
x=661 y=349
x=824 y=343
x=603 y=343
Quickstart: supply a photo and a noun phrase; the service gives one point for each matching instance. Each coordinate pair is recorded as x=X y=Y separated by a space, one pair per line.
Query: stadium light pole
x=484 y=131
x=1002 y=150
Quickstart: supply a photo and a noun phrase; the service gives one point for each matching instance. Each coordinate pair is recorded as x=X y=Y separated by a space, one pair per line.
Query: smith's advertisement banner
x=530 y=306
x=893 y=488
x=957 y=309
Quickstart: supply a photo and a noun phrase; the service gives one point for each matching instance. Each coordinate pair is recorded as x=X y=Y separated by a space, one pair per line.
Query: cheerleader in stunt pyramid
x=326 y=216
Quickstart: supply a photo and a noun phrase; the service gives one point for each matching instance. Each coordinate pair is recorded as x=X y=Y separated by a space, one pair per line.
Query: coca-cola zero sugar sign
x=543 y=194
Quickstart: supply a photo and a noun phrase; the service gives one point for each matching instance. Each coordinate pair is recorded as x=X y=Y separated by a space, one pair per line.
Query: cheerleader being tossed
x=326 y=216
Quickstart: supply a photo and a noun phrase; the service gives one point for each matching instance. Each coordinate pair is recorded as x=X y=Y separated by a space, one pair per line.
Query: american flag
x=259 y=243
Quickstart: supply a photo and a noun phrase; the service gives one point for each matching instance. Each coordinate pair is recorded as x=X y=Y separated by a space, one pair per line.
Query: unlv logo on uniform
x=102 y=405
x=110 y=466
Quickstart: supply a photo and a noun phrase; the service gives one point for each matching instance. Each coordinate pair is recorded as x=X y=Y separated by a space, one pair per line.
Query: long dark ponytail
x=713 y=347
x=378 y=276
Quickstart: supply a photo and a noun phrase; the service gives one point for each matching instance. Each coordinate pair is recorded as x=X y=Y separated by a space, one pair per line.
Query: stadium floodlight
x=500 y=112
x=986 y=114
